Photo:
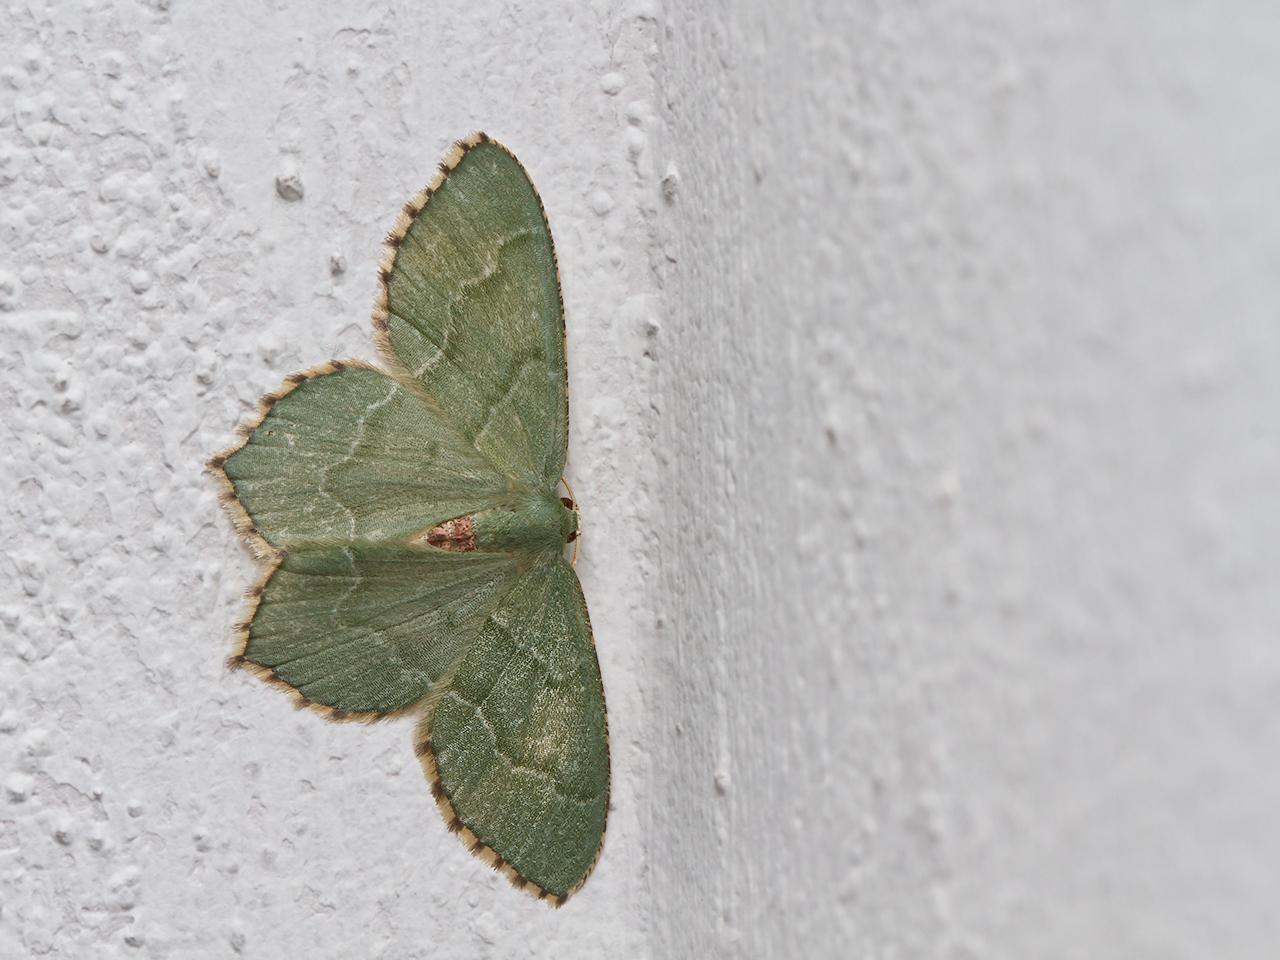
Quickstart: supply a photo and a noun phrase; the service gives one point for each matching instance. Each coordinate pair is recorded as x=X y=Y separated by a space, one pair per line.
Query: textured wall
x=924 y=396
x=192 y=200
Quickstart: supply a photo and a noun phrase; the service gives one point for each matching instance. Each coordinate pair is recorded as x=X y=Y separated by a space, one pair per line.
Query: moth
x=412 y=535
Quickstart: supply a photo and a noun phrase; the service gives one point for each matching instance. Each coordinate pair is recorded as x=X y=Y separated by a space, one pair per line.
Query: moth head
x=569 y=519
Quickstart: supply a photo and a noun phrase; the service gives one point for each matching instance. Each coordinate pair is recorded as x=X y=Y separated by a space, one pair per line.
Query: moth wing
x=362 y=632
x=471 y=309
x=344 y=454
x=517 y=749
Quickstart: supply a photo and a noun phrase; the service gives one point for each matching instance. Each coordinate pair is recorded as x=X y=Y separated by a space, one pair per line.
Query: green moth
x=412 y=536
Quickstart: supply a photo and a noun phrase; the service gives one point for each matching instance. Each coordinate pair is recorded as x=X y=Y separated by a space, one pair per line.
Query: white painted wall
x=924 y=393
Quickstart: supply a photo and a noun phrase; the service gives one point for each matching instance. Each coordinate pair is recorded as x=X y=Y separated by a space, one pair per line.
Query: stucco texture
x=923 y=364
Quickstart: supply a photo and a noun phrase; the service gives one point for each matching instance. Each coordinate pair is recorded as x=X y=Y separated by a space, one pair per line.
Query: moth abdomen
x=457 y=534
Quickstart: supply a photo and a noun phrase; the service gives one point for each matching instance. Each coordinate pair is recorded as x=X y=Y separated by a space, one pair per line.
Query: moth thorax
x=570 y=523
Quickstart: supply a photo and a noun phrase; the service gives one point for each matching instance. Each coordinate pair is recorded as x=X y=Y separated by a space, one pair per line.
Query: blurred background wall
x=970 y=386
x=924 y=424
